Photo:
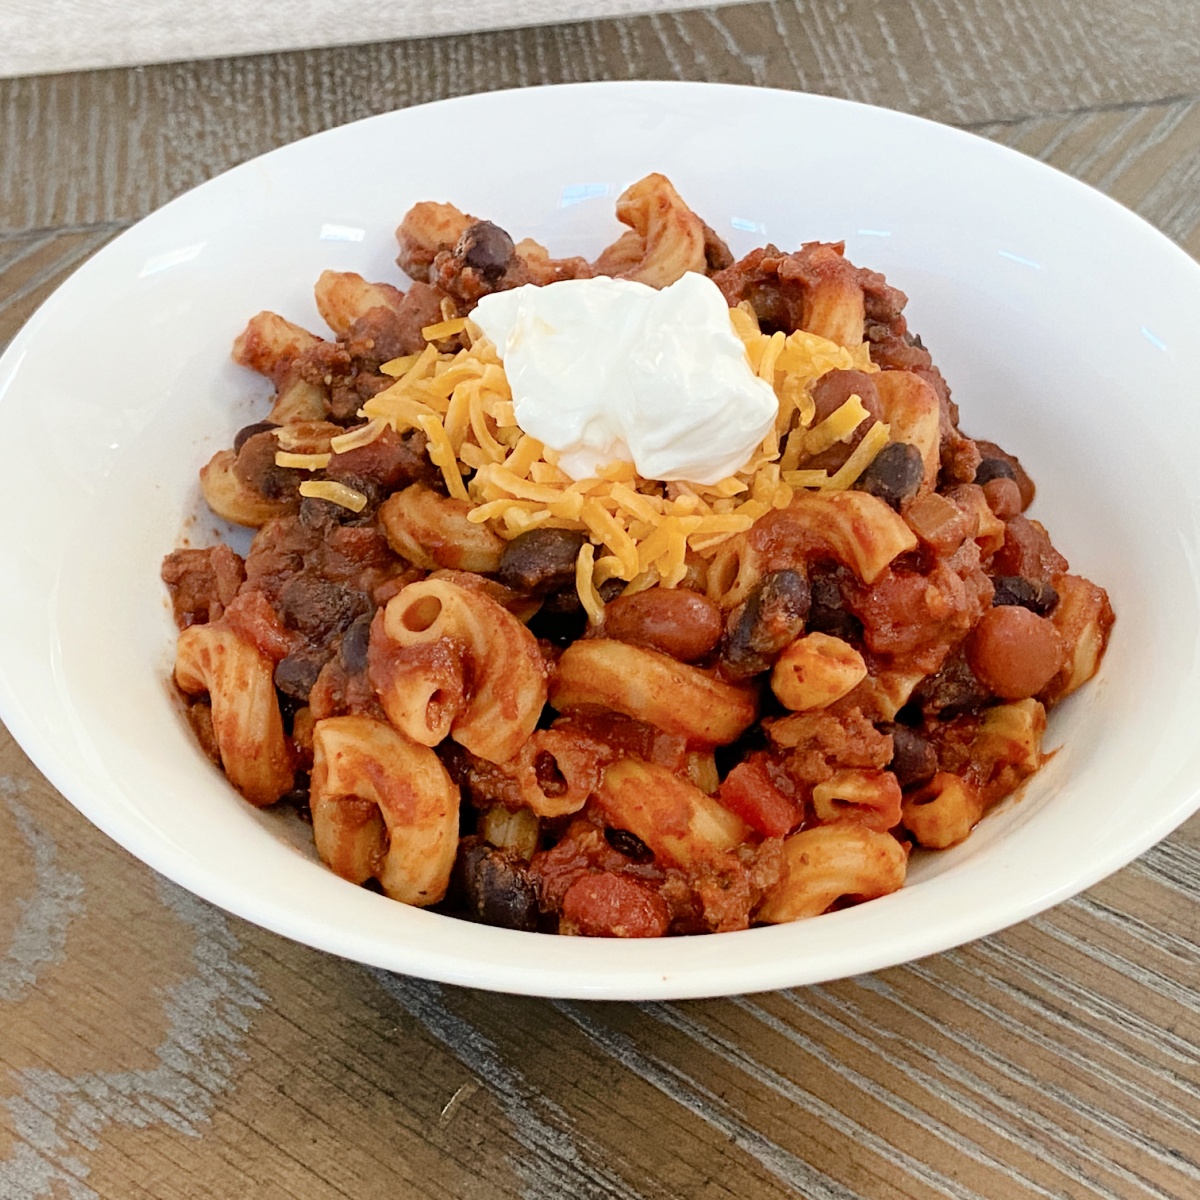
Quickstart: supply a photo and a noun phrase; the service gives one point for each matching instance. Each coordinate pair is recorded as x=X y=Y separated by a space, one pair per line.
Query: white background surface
x=39 y=36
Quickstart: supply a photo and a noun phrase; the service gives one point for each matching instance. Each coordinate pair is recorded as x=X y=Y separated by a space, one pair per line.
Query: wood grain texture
x=154 y=1048
x=32 y=265
x=72 y=35
x=1056 y=1059
x=112 y=145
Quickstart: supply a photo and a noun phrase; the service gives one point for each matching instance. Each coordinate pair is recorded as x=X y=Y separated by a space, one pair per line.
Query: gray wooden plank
x=112 y=145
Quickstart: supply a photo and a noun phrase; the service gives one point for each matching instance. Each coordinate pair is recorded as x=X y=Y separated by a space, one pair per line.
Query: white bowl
x=1067 y=329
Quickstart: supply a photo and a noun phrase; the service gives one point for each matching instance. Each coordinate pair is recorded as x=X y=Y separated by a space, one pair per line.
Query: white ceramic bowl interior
x=1065 y=325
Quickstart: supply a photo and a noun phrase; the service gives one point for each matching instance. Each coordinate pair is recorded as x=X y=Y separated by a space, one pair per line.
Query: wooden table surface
x=153 y=1047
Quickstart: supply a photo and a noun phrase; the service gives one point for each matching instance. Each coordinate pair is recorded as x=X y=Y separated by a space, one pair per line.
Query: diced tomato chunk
x=612 y=905
x=749 y=791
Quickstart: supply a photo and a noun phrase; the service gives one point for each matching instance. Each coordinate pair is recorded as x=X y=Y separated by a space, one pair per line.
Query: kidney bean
x=914 y=759
x=763 y=624
x=681 y=623
x=1014 y=652
x=1033 y=594
x=894 y=474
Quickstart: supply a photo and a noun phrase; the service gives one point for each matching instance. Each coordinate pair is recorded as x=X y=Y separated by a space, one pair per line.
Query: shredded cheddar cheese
x=642 y=532
x=354 y=439
x=335 y=493
x=302 y=462
x=836 y=427
x=444 y=329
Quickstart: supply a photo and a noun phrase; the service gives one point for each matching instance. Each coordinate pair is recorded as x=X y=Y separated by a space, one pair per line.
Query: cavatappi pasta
x=616 y=706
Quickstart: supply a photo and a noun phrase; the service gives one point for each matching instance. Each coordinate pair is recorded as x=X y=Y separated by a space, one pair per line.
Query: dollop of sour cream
x=609 y=369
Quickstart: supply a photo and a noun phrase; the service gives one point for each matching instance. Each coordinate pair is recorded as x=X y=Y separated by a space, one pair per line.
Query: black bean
x=1033 y=594
x=244 y=434
x=540 y=561
x=496 y=887
x=298 y=797
x=953 y=690
x=318 y=607
x=558 y=626
x=296 y=674
x=485 y=248
x=353 y=648
x=323 y=516
x=914 y=759
x=629 y=844
x=562 y=603
x=828 y=612
x=610 y=589
x=993 y=468
x=289 y=706
x=894 y=474
x=762 y=625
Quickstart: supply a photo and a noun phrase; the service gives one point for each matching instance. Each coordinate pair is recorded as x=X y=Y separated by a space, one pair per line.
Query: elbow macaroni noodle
x=419 y=640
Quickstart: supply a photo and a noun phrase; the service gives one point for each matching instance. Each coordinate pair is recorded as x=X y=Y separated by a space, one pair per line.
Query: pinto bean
x=1003 y=496
x=540 y=561
x=993 y=468
x=996 y=463
x=683 y=624
x=829 y=393
x=763 y=624
x=1014 y=652
x=835 y=387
